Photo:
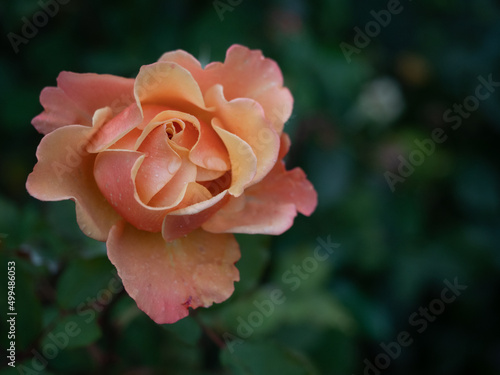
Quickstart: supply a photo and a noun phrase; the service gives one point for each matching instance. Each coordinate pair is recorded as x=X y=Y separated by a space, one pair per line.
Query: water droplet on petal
x=172 y=166
x=213 y=162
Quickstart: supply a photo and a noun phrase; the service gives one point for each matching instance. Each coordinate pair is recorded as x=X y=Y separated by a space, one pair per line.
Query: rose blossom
x=164 y=167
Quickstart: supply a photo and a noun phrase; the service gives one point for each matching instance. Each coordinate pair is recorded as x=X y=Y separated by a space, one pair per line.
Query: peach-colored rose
x=164 y=167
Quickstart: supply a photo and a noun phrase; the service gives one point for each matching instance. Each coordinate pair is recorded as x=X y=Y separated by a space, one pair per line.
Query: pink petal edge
x=168 y=278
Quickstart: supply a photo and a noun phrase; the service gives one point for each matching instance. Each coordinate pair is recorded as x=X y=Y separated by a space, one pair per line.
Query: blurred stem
x=208 y=331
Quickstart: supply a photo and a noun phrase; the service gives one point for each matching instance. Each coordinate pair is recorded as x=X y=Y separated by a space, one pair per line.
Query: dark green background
x=396 y=248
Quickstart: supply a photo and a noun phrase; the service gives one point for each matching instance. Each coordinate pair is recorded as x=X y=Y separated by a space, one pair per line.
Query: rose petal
x=194 y=196
x=199 y=209
x=187 y=137
x=246 y=215
x=244 y=118
x=127 y=141
x=59 y=110
x=65 y=171
x=78 y=96
x=258 y=78
x=209 y=152
x=158 y=167
x=166 y=278
x=284 y=145
x=172 y=194
x=204 y=174
x=184 y=59
x=207 y=149
x=110 y=132
x=244 y=74
x=268 y=207
x=169 y=84
x=115 y=172
x=93 y=91
x=128 y=138
x=243 y=160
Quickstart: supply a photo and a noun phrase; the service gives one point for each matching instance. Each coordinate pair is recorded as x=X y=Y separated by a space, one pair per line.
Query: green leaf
x=186 y=330
x=124 y=311
x=28 y=319
x=372 y=317
x=26 y=367
x=10 y=216
x=141 y=339
x=318 y=308
x=254 y=260
x=250 y=358
x=71 y=361
x=72 y=331
x=477 y=187
x=300 y=271
x=87 y=281
x=16 y=224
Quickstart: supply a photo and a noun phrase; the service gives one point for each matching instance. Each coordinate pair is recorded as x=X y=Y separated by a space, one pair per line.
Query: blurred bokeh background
x=414 y=219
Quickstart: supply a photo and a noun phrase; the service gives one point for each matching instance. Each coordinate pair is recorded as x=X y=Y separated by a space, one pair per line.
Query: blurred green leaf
x=254 y=259
x=300 y=271
x=27 y=306
x=186 y=330
x=251 y=358
x=85 y=281
x=26 y=367
x=318 y=309
x=71 y=361
x=70 y=332
x=478 y=187
x=371 y=317
x=150 y=336
x=16 y=224
x=124 y=311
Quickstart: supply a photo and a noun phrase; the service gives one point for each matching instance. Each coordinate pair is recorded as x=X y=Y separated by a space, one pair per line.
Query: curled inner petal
x=115 y=173
x=243 y=160
x=160 y=164
x=245 y=118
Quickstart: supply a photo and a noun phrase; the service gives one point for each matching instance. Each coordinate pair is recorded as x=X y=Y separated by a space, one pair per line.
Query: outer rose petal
x=78 y=96
x=111 y=131
x=166 y=278
x=257 y=78
x=268 y=207
x=65 y=171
